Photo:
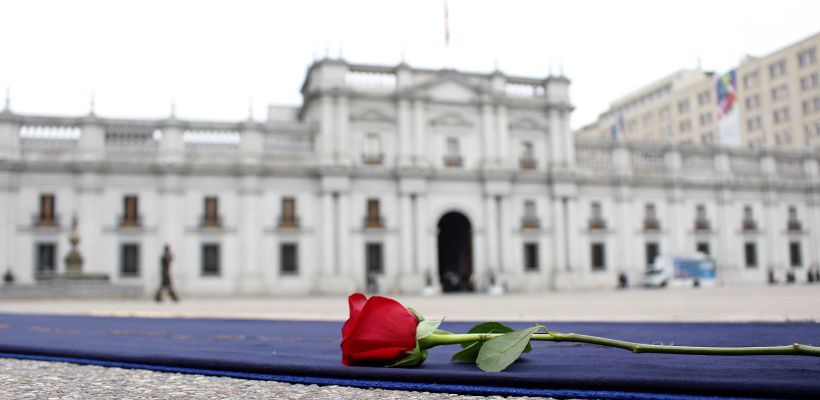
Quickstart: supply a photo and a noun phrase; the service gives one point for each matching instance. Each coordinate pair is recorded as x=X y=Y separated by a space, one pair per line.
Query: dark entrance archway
x=455 y=252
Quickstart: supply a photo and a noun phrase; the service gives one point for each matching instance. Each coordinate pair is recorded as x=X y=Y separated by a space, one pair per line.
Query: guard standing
x=165 y=284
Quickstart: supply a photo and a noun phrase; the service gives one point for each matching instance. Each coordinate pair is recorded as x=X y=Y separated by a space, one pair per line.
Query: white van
x=697 y=270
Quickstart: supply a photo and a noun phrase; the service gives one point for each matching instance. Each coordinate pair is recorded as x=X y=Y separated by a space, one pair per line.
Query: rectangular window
x=652 y=251
x=704 y=98
x=210 y=259
x=750 y=254
x=795 y=255
x=288 y=213
x=702 y=247
x=598 y=256
x=531 y=256
x=289 y=259
x=807 y=57
x=210 y=217
x=780 y=93
x=374 y=258
x=130 y=259
x=130 y=212
x=46 y=258
x=777 y=69
x=683 y=106
x=751 y=80
x=685 y=126
x=453 y=156
x=753 y=102
x=373 y=218
x=47 y=214
x=373 y=149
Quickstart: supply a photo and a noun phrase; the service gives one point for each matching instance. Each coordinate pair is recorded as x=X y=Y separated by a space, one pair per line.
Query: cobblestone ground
x=55 y=380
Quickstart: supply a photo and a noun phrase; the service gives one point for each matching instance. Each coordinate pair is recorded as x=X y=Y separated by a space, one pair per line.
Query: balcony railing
x=702 y=225
x=373 y=159
x=129 y=221
x=530 y=222
x=45 y=220
x=210 y=221
x=373 y=222
x=794 y=226
x=651 y=224
x=453 y=161
x=528 y=164
x=289 y=221
x=597 y=224
x=749 y=225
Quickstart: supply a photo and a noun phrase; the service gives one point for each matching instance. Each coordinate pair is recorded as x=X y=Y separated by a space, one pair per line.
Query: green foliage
x=426 y=328
x=414 y=358
x=492 y=327
x=498 y=353
x=468 y=354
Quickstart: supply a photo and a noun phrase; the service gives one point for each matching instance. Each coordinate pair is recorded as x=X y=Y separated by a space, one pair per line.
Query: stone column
x=89 y=189
x=772 y=259
x=251 y=144
x=172 y=145
x=491 y=224
x=488 y=146
x=172 y=232
x=9 y=136
x=8 y=227
x=503 y=136
x=573 y=225
x=343 y=138
x=419 y=132
x=505 y=243
x=425 y=238
x=622 y=225
x=343 y=242
x=327 y=141
x=569 y=139
x=406 y=232
x=555 y=138
x=250 y=277
x=726 y=262
x=404 y=147
x=559 y=232
x=328 y=242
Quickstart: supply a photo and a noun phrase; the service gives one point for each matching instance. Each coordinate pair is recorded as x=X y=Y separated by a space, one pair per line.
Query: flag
x=446 y=25
x=728 y=115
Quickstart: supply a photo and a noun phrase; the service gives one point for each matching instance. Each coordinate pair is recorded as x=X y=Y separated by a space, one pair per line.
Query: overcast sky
x=215 y=58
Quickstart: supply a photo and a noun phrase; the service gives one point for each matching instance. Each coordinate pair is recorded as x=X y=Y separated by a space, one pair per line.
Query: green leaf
x=414 y=357
x=492 y=327
x=416 y=313
x=468 y=354
x=426 y=328
x=498 y=353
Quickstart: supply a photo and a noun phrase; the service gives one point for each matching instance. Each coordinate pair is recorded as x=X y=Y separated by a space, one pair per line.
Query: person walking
x=165 y=284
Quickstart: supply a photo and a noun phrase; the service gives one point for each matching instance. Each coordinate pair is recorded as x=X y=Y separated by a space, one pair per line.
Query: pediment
x=373 y=115
x=526 y=124
x=448 y=88
x=450 y=119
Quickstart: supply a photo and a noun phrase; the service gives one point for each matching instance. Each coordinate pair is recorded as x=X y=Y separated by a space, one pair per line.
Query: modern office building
x=396 y=178
x=777 y=98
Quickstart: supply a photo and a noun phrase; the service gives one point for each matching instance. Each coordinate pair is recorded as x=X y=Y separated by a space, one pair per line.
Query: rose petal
x=356 y=301
x=378 y=355
x=382 y=323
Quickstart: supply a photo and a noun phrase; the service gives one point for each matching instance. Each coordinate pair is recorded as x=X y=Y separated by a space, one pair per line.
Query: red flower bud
x=380 y=331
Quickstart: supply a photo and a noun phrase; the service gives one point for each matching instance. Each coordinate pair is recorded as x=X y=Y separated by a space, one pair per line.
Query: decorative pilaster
x=343 y=139
x=503 y=137
x=404 y=150
x=419 y=130
x=250 y=278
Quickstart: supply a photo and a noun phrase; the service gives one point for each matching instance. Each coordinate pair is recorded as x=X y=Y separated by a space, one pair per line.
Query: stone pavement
x=744 y=303
x=56 y=380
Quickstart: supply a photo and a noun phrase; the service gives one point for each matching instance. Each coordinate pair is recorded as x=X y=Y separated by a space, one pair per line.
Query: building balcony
x=453 y=161
x=749 y=225
x=210 y=221
x=129 y=221
x=289 y=222
x=528 y=164
x=374 y=222
x=373 y=159
x=597 y=224
x=530 y=222
x=651 y=224
x=45 y=220
x=794 y=226
x=702 y=225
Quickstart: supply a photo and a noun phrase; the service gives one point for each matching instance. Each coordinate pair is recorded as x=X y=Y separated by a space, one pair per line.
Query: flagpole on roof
x=447 y=60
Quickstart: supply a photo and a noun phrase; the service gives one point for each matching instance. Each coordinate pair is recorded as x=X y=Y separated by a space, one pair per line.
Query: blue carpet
x=308 y=352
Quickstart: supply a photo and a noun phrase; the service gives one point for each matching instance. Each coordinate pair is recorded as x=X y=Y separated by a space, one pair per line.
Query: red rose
x=379 y=331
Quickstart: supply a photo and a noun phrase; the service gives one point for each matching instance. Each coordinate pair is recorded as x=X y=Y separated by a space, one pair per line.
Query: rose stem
x=794 y=349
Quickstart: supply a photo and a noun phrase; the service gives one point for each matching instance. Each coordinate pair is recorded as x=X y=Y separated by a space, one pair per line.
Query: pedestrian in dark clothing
x=165 y=284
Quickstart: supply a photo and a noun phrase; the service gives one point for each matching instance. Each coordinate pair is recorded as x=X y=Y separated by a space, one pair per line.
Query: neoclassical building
x=396 y=178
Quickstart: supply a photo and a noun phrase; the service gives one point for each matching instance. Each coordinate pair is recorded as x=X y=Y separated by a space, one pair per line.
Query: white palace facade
x=396 y=178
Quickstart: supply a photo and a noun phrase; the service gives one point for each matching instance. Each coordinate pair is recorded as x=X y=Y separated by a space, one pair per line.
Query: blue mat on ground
x=308 y=352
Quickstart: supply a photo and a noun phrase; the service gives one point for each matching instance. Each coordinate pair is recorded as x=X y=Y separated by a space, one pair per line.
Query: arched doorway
x=455 y=252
